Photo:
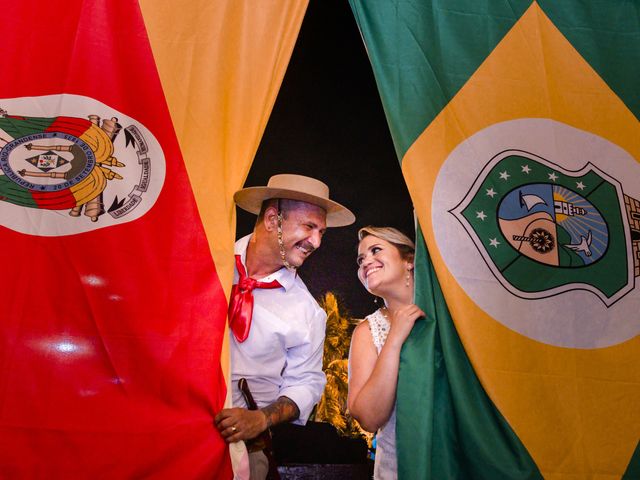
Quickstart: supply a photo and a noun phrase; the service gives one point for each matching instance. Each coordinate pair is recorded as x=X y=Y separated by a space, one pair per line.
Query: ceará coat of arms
x=539 y=223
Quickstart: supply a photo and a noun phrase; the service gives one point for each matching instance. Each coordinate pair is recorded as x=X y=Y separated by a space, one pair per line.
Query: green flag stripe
x=447 y=427
x=16 y=194
x=633 y=470
x=21 y=126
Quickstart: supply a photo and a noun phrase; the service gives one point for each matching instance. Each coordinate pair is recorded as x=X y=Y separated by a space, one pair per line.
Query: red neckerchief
x=241 y=304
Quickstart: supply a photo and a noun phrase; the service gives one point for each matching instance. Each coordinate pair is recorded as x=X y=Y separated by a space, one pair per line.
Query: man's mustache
x=307 y=246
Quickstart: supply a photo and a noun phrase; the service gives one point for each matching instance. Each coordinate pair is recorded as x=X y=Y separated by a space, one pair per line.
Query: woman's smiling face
x=381 y=267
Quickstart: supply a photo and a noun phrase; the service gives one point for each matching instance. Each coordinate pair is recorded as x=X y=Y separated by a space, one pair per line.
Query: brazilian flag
x=516 y=126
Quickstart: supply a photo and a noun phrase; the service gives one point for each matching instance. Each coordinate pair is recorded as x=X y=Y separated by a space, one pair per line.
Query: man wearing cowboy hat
x=278 y=327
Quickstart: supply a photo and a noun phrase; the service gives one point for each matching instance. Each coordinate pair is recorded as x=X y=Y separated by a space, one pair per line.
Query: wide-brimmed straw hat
x=295 y=187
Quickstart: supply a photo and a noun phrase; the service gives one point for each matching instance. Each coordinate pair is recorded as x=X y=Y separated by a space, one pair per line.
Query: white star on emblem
x=481 y=215
x=526 y=169
x=504 y=175
x=494 y=242
x=491 y=192
x=553 y=177
x=580 y=185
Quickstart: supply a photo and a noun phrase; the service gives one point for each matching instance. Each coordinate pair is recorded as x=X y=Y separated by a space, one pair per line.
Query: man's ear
x=270 y=219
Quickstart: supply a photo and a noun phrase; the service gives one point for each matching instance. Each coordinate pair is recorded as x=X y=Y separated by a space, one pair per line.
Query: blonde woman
x=385 y=268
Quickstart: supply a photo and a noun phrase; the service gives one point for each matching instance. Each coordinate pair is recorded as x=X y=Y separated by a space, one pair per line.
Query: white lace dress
x=386 y=463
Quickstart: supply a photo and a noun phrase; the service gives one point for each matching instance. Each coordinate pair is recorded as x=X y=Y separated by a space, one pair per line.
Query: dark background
x=328 y=123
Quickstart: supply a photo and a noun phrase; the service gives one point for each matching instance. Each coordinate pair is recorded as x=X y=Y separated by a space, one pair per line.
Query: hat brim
x=251 y=198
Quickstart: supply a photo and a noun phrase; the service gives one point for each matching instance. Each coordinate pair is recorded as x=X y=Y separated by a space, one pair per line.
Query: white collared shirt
x=283 y=354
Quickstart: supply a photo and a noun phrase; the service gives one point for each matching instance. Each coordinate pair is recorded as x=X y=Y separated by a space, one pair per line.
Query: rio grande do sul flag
x=516 y=124
x=113 y=314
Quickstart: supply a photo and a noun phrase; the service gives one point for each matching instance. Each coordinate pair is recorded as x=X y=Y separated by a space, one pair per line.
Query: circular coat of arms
x=60 y=174
x=540 y=224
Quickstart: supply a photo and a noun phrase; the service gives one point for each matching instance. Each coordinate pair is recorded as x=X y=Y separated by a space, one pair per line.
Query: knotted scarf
x=241 y=304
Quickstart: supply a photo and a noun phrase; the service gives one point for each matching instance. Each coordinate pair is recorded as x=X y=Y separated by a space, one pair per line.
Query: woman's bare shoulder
x=362 y=333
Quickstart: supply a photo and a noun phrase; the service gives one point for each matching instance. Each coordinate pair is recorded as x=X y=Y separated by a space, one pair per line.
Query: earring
x=287 y=265
x=408 y=277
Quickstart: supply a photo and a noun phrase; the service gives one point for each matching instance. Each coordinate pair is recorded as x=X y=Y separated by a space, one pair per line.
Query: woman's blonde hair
x=392 y=235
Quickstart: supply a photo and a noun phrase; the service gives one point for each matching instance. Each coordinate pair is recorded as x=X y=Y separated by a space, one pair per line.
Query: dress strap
x=379 y=326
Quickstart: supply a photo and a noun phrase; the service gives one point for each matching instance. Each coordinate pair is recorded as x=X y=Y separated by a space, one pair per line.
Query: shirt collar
x=285 y=276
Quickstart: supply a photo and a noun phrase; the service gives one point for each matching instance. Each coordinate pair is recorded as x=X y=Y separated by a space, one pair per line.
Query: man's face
x=302 y=231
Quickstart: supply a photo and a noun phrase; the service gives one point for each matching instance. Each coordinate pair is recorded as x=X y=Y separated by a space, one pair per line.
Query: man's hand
x=237 y=424
x=241 y=424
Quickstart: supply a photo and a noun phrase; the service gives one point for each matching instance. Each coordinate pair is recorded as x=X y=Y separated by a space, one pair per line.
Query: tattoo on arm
x=282 y=410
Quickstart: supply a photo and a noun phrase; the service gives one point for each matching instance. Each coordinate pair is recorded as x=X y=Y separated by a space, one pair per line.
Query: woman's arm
x=373 y=378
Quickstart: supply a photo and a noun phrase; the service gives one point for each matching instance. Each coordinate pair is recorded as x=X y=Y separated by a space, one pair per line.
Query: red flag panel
x=112 y=312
